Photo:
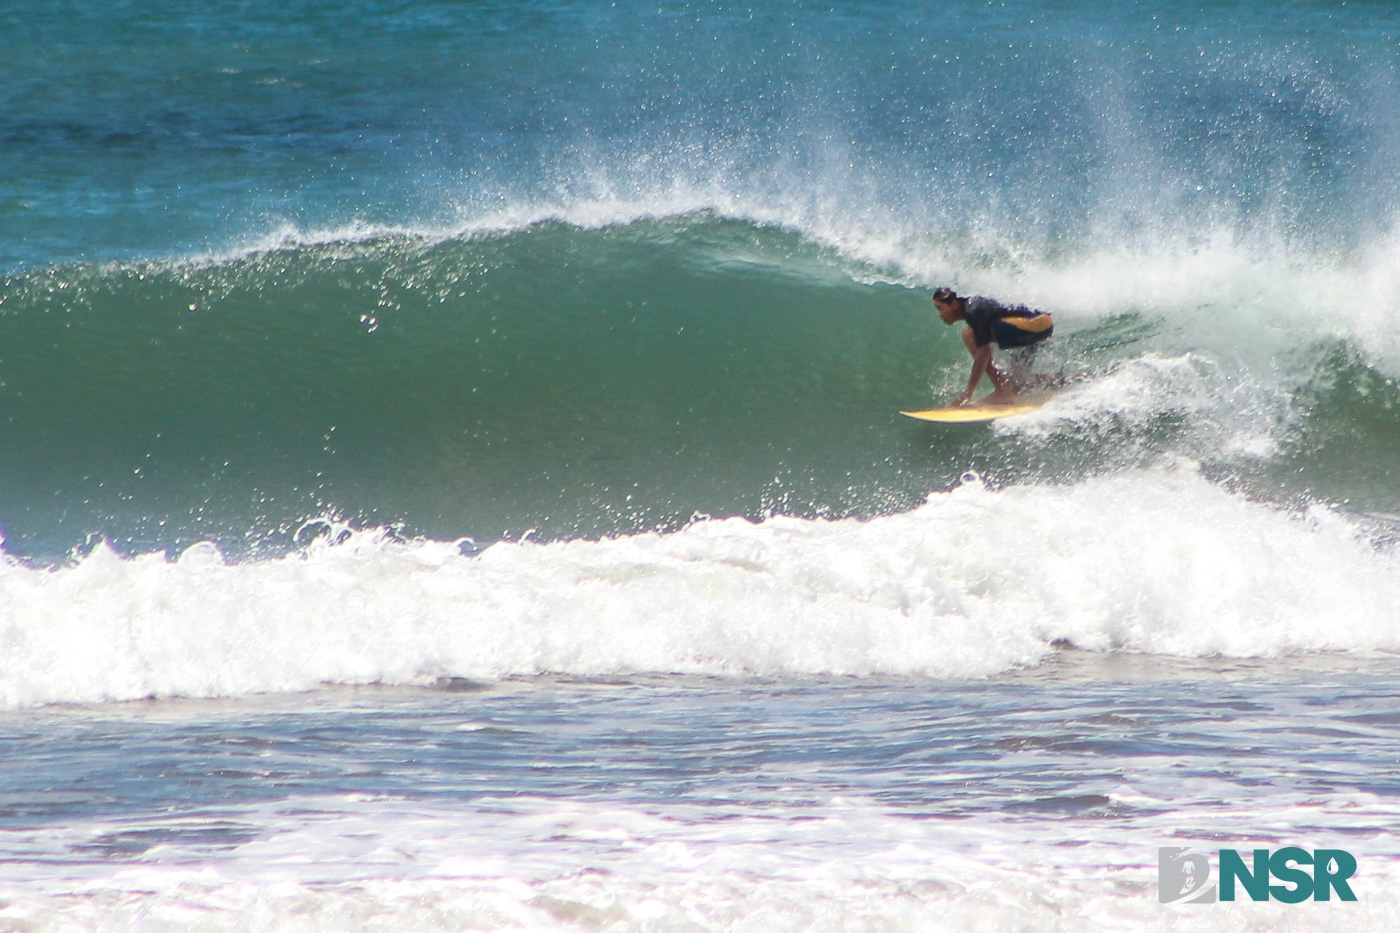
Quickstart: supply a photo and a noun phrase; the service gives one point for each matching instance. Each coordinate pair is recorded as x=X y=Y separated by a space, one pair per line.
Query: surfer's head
x=948 y=305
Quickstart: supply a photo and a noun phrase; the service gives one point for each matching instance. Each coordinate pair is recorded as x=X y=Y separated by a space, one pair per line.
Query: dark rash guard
x=1007 y=325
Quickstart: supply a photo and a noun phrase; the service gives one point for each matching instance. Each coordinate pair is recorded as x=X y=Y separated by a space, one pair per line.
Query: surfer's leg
x=1003 y=393
x=969 y=340
x=1020 y=363
x=1021 y=339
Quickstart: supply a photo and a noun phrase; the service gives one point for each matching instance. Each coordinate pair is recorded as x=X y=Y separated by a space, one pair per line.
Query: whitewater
x=929 y=592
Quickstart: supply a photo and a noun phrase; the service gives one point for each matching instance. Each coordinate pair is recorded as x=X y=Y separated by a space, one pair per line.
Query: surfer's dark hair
x=944 y=295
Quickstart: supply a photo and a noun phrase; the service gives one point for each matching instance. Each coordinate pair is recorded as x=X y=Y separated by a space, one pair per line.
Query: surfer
x=1014 y=328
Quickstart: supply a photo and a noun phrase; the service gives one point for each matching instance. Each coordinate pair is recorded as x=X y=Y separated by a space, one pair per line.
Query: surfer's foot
x=999 y=397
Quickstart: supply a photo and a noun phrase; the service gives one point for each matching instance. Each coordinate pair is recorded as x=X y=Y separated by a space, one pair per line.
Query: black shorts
x=1012 y=332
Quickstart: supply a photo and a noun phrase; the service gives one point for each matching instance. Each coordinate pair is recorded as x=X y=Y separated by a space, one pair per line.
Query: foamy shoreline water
x=1032 y=800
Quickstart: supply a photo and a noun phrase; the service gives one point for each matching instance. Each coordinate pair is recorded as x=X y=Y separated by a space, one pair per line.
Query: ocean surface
x=451 y=475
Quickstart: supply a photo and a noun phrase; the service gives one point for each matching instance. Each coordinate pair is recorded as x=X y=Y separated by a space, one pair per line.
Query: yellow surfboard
x=982 y=411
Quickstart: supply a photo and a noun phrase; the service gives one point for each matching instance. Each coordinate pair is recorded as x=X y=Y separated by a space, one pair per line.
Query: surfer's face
x=947 y=311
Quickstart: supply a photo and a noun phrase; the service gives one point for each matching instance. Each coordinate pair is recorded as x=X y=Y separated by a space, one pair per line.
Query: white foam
x=1219 y=409
x=972 y=583
x=355 y=863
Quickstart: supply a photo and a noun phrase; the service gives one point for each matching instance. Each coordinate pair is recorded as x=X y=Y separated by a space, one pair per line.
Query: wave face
x=569 y=381
x=586 y=278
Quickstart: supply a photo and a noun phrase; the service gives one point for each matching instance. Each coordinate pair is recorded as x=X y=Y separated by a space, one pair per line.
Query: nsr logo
x=1182 y=875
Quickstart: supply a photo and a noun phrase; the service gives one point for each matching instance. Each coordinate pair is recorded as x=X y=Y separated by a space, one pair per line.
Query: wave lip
x=974 y=582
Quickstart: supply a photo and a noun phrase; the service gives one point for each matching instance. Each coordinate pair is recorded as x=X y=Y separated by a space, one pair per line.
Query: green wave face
x=571 y=381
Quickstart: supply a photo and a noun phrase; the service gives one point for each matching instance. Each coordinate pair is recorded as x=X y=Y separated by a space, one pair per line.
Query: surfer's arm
x=981 y=363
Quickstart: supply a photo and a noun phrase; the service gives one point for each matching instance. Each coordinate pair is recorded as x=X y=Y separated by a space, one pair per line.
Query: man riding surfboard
x=1014 y=328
